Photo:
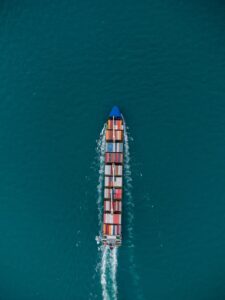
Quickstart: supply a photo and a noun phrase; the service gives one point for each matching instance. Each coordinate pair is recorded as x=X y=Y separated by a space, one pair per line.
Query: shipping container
x=112 y=218
x=117 y=206
x=116 y=218
x=116 y=169
x=106 y=193
x=116 y=124
x=110 y=229
x=109 y=182
x=118 y=229
x=117 y=194
x=114 y=135
x=107 y=205
x=114 y=229
x=106 y=228
x=113 y=158
x=114 y=147
x=108 y=218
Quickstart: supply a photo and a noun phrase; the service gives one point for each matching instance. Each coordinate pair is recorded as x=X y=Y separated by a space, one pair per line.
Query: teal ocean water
x=64 y=64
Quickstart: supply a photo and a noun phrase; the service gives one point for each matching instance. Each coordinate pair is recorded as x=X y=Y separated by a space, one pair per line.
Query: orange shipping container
x=118 y=135
x=110 y=229
x=117 y=124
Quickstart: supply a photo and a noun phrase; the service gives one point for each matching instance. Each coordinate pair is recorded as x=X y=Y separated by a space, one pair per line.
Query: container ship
x=113 y=179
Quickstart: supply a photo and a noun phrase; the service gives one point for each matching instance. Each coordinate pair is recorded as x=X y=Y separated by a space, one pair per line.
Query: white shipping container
x=108 y=218
x=118 y=181
x=106 y=181
x=119 y=147
x=107 y=193
x=107 y=205
x=108 y=170
x=120 y=170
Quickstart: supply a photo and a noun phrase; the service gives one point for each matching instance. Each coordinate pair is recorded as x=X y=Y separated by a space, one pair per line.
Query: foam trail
x=104 y=254
x=114 y=264
x=108 y=259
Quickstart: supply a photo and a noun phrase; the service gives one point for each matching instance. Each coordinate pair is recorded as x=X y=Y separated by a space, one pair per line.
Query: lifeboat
x=113 y=179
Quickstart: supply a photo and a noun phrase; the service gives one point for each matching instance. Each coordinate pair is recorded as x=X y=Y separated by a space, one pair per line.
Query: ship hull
x=113 y=180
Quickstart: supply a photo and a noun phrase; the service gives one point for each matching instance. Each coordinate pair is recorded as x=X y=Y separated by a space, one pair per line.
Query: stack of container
x=113 y=183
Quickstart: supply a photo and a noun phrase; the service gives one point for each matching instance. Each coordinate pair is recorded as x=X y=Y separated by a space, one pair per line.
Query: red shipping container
x=116 y=219
x=117 y=194
x=117 y=206
x=113 y=157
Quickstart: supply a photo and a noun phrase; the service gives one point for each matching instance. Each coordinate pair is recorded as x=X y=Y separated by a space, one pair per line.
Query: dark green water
x=63 y=65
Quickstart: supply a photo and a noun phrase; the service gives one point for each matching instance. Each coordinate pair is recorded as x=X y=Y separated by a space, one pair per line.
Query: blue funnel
x=115 y=112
